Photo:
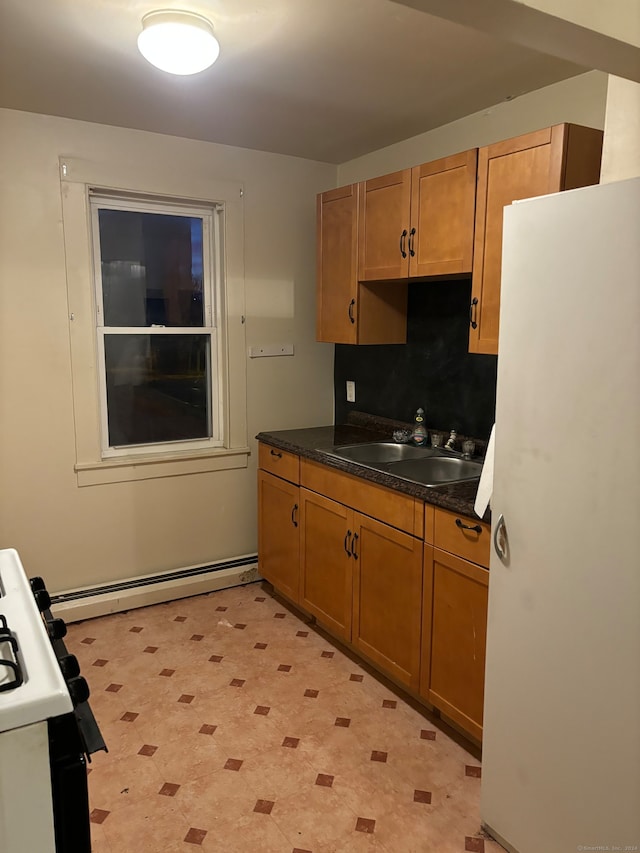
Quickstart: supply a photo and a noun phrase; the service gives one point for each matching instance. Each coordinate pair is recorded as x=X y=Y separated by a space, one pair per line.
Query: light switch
x=351 y=391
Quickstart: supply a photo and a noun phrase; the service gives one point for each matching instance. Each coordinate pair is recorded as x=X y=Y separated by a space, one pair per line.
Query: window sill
x=152 y=466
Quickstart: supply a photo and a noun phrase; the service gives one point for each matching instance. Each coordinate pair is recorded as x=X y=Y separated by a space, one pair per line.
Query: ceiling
x=328 y=80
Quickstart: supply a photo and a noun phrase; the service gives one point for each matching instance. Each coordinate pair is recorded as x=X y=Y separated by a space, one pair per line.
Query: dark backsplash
x=433 y=369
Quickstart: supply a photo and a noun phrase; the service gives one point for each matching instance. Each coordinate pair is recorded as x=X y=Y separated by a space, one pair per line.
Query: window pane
x=157 y=387
x=151 y=267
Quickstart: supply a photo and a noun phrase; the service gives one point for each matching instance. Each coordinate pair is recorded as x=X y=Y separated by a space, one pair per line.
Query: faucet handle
x=452 y=440
x=468 y=448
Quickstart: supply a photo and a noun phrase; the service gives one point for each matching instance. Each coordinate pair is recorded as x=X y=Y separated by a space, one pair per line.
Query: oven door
x=69 y=790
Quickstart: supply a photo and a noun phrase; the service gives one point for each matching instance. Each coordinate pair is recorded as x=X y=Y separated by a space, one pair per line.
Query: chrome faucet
x=450 y=445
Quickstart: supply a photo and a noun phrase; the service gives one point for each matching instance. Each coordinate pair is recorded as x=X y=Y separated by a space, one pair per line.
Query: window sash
x=210 y=248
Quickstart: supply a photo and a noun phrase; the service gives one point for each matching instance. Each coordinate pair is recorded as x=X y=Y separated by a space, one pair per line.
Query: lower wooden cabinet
x=454 y=632
x=279 y=516
x=387 y=604
x=407 y=589
x=326 y=563
x=362 y=580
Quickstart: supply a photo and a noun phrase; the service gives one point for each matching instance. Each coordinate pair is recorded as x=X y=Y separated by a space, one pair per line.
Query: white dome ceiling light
x=178 y=42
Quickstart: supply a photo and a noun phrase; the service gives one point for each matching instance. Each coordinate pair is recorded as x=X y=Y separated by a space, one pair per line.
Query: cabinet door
x=279 y=518
x=443 y=199
x=387 y=598
x=326 y=562
x=452 y=676
x=560 y=157
x=383 y=227
x=337 y=258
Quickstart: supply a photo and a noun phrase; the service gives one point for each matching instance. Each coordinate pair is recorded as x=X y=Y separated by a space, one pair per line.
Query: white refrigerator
x=561 y=754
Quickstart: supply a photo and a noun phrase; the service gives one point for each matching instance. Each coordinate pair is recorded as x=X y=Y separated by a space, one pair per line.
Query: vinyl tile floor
x=234 y=727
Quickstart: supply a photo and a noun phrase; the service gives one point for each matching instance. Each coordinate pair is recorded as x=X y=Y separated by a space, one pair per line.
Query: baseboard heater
x=76 y=604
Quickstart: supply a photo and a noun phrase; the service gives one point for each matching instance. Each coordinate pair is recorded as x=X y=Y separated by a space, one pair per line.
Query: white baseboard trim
x=77 y=604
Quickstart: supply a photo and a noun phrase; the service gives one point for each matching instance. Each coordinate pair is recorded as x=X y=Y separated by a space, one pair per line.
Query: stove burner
x=10 y=666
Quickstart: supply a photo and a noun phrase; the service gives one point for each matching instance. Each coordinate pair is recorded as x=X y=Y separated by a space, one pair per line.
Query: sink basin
x=429 y=466
x=380 y=452
x=436 y=471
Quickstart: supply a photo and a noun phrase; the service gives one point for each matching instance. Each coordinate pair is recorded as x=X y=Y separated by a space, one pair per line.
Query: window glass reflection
x=152 y=268
x=157 y=387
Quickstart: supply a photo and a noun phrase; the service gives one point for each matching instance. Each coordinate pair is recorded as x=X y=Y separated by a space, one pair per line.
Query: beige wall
x=621 y=151
x=580 y=100
x=75 y=536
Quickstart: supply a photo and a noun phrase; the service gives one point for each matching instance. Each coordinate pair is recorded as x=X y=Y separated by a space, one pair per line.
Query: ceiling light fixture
x=178 y=42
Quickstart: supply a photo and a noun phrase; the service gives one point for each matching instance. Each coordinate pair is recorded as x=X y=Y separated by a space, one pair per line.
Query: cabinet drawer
x=393 y=508
x=279 y=462
x=451 y=534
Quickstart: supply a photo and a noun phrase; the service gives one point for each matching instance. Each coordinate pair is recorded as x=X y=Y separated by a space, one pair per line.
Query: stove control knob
x=69 y=666
x=42 y=599
x=78 y=690
x=36 y=584
x=56 y=629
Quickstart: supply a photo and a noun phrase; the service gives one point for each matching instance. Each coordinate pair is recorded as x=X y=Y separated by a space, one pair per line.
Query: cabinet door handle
x=354 y=553
x=473 y=313
x=276 y=453
x=403 y=240
x=351 y=304
x=346 y=541
x=294 y=511
x=412 y=235
x=475 y=527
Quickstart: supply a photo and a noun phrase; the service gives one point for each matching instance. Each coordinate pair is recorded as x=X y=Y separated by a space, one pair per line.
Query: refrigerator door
x=561 y=755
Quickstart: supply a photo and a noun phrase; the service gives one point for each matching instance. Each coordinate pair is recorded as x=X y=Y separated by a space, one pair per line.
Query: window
x=157 y=276
x=158 y=365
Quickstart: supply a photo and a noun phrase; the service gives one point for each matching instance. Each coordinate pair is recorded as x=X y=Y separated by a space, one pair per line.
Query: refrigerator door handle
x=500 y=538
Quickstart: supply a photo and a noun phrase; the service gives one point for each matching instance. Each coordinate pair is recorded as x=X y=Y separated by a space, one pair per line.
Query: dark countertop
x=457 y=497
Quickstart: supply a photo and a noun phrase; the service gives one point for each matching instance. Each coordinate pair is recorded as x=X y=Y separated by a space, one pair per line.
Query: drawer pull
x=475 y=527
x=294 y=511
x=276 y=453
x=346 y=540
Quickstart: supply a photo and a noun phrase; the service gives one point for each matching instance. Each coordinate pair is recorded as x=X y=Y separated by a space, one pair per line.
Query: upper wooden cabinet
x=348 y=312
x=337 y=247
x=383 y=227
x=418 y=222
x=561 y=157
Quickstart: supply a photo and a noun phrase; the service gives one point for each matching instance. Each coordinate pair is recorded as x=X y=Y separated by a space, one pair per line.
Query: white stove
x=43 y=692
x=46 y=726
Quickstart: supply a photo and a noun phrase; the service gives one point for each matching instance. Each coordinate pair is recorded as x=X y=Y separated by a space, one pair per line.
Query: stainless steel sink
x=428 y=466
x=380 y=452
x=436 y=470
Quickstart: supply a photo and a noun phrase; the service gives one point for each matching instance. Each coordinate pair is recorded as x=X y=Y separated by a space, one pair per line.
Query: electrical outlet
x=351 y=391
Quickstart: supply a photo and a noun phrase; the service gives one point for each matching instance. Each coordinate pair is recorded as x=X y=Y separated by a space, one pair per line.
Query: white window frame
x=212 y=251
x=167 y=178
